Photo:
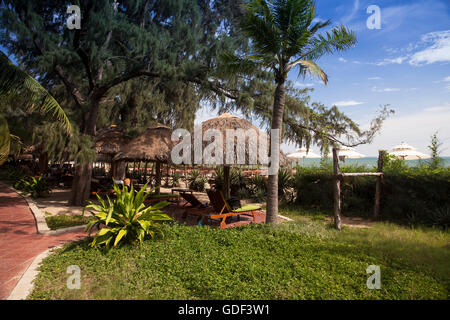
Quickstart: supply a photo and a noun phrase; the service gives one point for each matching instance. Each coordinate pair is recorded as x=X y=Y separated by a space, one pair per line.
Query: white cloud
x=437 y=109
x=437 y=50
x=375 y=89
x=300 y=84
x=446 y=79
x=415 y=129
x=342 y=60
x=374 y=78
x=398 y=60
x=347 y=103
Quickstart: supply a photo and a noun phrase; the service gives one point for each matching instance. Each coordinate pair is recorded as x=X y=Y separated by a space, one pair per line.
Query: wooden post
x=167 y=173
x=145 y=171
x=376 y=211
x=226 y=181
x=158 y=177
x=337 y=190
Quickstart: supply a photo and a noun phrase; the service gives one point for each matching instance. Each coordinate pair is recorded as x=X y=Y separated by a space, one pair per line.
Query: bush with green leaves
x=239 y=182
x=409 y=195
x=11 y=174
x=126 y=218
x=36 y=187
x=197 y=181
x=176 y=179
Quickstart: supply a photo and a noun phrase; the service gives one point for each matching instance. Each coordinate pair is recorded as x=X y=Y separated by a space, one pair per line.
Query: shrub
x=176 y=179
x=197 y=181
x=126 y=218
x=36 y=187
x=409 y=195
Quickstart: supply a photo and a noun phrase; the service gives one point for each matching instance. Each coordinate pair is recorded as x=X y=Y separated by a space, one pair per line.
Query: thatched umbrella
x=109 y=142
x=154 y=145
x=226 y=122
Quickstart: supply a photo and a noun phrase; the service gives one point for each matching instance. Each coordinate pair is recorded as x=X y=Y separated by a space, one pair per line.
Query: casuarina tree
x=176 y=41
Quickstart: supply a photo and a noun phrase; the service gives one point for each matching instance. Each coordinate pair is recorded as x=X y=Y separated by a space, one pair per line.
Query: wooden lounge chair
x=192 y=200
x=196 y=208
x=222 y=210
x=152 y=198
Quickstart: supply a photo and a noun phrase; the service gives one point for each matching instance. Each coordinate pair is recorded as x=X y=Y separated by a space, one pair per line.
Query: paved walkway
x=19 y=241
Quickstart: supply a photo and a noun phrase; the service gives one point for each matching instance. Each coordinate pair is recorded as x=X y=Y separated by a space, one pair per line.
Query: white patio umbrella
x=347 y=153
x=303 y=153
x=406 y=152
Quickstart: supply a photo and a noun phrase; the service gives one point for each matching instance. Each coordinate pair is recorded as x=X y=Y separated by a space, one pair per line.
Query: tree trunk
x=158 y=177
x=81 y=187
x=277 y=123
x=119 y=170
x=226 y=181
x=336 y=190
x=376 y=211
x=43 y=163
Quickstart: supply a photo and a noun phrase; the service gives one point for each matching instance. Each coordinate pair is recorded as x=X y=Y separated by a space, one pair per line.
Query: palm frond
x=231 y=65
x=338 y=39
x=21 y=90
x=259 y=25
x=5 y=139
x=308 y=66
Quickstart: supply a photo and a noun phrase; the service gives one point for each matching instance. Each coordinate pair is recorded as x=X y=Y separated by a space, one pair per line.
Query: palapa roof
x=110 y=141
x=227 y=121
x=154 y=144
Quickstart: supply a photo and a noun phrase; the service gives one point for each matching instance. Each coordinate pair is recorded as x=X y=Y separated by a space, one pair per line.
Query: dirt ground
x=354 y=222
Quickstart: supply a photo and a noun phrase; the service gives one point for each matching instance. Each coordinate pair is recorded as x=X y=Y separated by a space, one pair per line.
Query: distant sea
x=369 y=162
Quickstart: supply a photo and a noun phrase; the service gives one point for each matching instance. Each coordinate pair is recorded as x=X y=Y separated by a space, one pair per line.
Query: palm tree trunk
x=277 y=123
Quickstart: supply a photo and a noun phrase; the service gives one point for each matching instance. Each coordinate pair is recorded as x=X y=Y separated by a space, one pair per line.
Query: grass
x=303 y=259
x=65 y=221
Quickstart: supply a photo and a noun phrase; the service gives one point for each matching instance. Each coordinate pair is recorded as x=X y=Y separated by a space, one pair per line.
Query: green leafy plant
x=285 y=183
x=36 y=187
x=176 y=179
x=197 y=181
x=125 y=218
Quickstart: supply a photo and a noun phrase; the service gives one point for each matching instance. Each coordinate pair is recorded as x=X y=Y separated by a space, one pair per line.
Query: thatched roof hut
x=109 y=142
x=153 y=145
x=226 y=122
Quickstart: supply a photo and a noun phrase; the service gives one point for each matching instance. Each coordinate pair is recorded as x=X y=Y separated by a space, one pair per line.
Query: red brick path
x=19 y=241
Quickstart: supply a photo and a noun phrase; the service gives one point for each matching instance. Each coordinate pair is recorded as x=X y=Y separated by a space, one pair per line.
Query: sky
x=405 y=63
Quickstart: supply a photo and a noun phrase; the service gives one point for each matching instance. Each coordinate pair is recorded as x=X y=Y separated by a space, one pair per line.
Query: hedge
x=408 y=196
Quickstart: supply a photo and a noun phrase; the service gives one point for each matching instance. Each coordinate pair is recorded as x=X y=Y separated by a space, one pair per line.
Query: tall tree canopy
x=137 y=62
x=171 y=44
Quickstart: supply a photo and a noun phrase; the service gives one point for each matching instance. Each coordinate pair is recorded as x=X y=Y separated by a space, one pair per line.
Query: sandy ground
x=354 y=222
x=57 y=203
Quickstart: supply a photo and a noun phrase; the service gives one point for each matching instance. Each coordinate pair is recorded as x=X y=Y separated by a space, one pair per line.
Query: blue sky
x=406 y=64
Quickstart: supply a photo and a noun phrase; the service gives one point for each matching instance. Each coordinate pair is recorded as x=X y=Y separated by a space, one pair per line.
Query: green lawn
x=65 y=221
x=304 y=259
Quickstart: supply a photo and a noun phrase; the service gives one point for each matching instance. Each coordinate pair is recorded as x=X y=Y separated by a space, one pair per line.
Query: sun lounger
x=222 y=210
x=196 y=208
x=152 y=198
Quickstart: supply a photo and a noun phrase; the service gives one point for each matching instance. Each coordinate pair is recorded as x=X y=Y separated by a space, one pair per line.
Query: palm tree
x=283 y=37
x=19 y=90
